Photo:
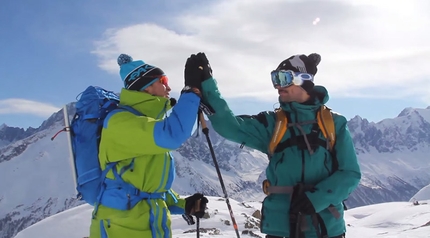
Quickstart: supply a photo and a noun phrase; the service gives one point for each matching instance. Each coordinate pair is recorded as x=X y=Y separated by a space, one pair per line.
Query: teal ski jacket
x=292 y=165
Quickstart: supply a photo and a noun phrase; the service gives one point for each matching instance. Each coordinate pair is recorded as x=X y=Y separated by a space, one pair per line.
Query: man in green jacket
x=306 y=189
x=139 y=148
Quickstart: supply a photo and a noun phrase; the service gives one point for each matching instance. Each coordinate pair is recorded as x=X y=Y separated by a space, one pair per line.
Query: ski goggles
x=286 y=78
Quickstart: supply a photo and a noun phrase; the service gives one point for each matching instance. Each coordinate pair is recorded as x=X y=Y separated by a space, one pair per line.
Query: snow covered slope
x=396 y=219
x=423 y=194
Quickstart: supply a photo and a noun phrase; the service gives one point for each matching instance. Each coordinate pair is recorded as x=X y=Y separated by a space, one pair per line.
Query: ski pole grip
x=196 y=207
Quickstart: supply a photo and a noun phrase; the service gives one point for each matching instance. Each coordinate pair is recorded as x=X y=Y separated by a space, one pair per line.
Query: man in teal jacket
x=140 y=146
x=307 y=191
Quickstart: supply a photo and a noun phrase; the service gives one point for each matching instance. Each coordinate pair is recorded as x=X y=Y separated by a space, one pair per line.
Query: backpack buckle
x=265 y=187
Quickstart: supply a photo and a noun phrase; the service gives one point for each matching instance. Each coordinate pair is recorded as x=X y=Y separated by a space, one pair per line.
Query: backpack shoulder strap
x=130 y=109
x=279 y=130
x=326 y=124
x=120 y=107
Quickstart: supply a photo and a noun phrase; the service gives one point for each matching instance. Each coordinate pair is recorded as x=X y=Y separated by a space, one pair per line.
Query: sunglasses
x=286 y=78
x=164 y=80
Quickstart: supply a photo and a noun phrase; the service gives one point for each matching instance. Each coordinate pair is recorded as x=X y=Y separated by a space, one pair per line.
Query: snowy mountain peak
x=357 y=118
x=415 y=114
x=406 y=111
x=2 y=126
x=358 y=124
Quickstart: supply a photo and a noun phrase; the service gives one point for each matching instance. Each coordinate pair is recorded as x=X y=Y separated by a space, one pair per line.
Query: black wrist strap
x=188 y=218
x=206 y=109
x=188 y=89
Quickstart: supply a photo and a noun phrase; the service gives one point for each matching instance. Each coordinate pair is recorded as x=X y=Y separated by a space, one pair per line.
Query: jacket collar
x=295 y=106
x=147 y=104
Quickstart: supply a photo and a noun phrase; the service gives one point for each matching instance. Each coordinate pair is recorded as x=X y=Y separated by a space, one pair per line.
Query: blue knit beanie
x=137 y=75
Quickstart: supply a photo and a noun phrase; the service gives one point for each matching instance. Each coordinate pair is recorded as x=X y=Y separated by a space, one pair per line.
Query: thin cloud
x=23 y=106
x=365 y=45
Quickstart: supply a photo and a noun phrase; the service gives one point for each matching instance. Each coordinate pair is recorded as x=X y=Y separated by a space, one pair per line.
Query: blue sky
x=374 y=55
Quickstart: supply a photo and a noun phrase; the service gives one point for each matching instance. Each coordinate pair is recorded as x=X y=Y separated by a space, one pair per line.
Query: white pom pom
x=124 y=59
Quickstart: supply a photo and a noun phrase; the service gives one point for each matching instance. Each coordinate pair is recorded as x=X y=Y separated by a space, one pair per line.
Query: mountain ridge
x=392 y=171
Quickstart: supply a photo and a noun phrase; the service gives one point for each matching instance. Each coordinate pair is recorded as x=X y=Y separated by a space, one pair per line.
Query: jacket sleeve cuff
x=317 y=201
x=209 y=86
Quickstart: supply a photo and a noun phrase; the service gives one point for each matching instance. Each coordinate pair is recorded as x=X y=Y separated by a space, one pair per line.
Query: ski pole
x=205 y=131
x=197 y=209
x=198 y=227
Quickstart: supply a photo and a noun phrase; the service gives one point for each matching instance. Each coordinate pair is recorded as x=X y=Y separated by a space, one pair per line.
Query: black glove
x=197 y=70
x=300 y=202
x=196 y=205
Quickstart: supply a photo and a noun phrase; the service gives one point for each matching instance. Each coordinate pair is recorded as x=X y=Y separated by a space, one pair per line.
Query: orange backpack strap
x=326 y=124
x=279 y=130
